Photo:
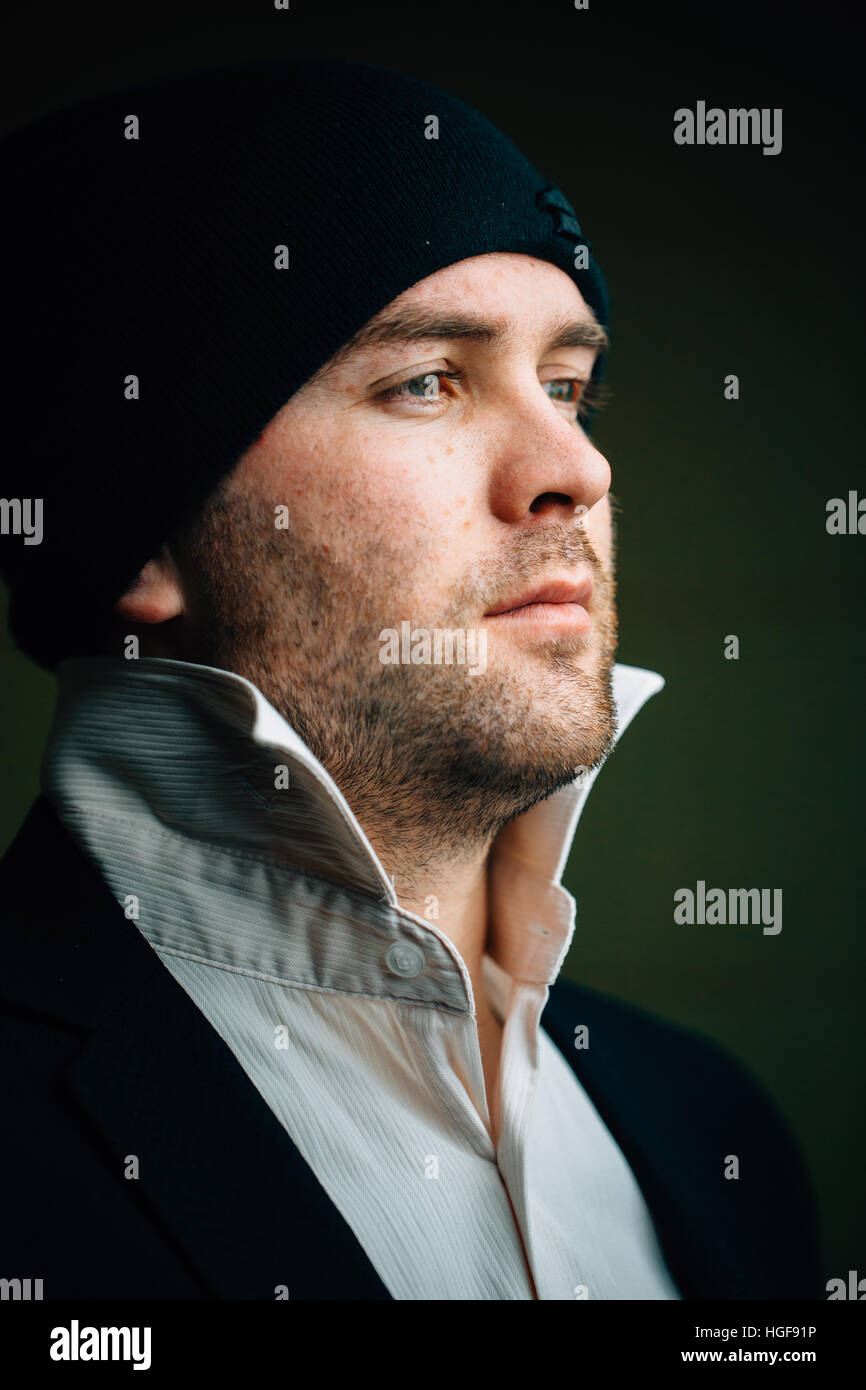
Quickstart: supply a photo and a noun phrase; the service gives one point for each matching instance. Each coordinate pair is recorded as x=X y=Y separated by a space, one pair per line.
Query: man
x=327 y=578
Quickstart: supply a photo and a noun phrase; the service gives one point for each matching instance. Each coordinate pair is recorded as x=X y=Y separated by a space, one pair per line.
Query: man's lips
x=560 y=601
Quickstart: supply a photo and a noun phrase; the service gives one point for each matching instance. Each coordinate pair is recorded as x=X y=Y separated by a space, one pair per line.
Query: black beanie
x=217 y=237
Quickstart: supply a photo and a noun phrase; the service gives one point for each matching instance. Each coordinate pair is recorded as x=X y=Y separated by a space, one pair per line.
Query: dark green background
x=743 y=773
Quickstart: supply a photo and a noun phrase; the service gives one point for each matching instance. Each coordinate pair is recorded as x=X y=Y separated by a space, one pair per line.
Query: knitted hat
x=181 y=258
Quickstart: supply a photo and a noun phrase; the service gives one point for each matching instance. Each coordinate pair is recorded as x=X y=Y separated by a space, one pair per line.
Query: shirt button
x=404 y=958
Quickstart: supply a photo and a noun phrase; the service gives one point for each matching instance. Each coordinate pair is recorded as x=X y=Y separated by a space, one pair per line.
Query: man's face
x=427 y=481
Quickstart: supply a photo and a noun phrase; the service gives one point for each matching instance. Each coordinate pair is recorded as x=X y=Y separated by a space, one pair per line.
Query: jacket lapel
x=663 y=1094
x=160 y=1084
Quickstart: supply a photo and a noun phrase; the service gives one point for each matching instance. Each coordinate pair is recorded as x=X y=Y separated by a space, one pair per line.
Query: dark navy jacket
x=97 y=1063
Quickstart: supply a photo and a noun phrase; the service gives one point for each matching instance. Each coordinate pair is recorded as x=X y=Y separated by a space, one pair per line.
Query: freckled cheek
x=343 y=489
x=417 y=481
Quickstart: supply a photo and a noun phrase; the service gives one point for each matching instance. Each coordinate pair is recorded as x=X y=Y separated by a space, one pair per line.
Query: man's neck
x=454 y=897
x=448 y=890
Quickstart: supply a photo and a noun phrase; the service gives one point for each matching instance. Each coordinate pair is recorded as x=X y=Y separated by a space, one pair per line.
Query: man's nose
x=543 y=464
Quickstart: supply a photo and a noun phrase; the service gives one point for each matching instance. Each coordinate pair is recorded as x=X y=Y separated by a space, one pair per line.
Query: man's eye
x=427 y=387
x=565 y=388
x=587 y=395
x=424 y=387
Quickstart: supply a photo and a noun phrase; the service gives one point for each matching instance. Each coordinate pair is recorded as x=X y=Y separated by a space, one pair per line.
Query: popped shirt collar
x=213 y=782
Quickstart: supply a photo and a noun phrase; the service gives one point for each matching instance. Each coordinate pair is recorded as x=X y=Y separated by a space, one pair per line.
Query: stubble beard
x=432 y=759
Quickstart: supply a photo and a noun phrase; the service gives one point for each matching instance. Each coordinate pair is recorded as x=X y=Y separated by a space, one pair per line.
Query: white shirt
x=353 y=1018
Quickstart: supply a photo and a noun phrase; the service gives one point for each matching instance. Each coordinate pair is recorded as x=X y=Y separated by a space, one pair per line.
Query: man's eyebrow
x=424 y=325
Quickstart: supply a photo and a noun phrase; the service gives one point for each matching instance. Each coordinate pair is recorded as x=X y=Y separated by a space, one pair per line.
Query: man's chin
x=532 y=748
x=568 y=723
x=550 y=756
x=507 y=790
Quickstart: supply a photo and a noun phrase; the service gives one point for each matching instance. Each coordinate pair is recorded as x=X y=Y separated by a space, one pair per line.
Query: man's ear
x=156 y=595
